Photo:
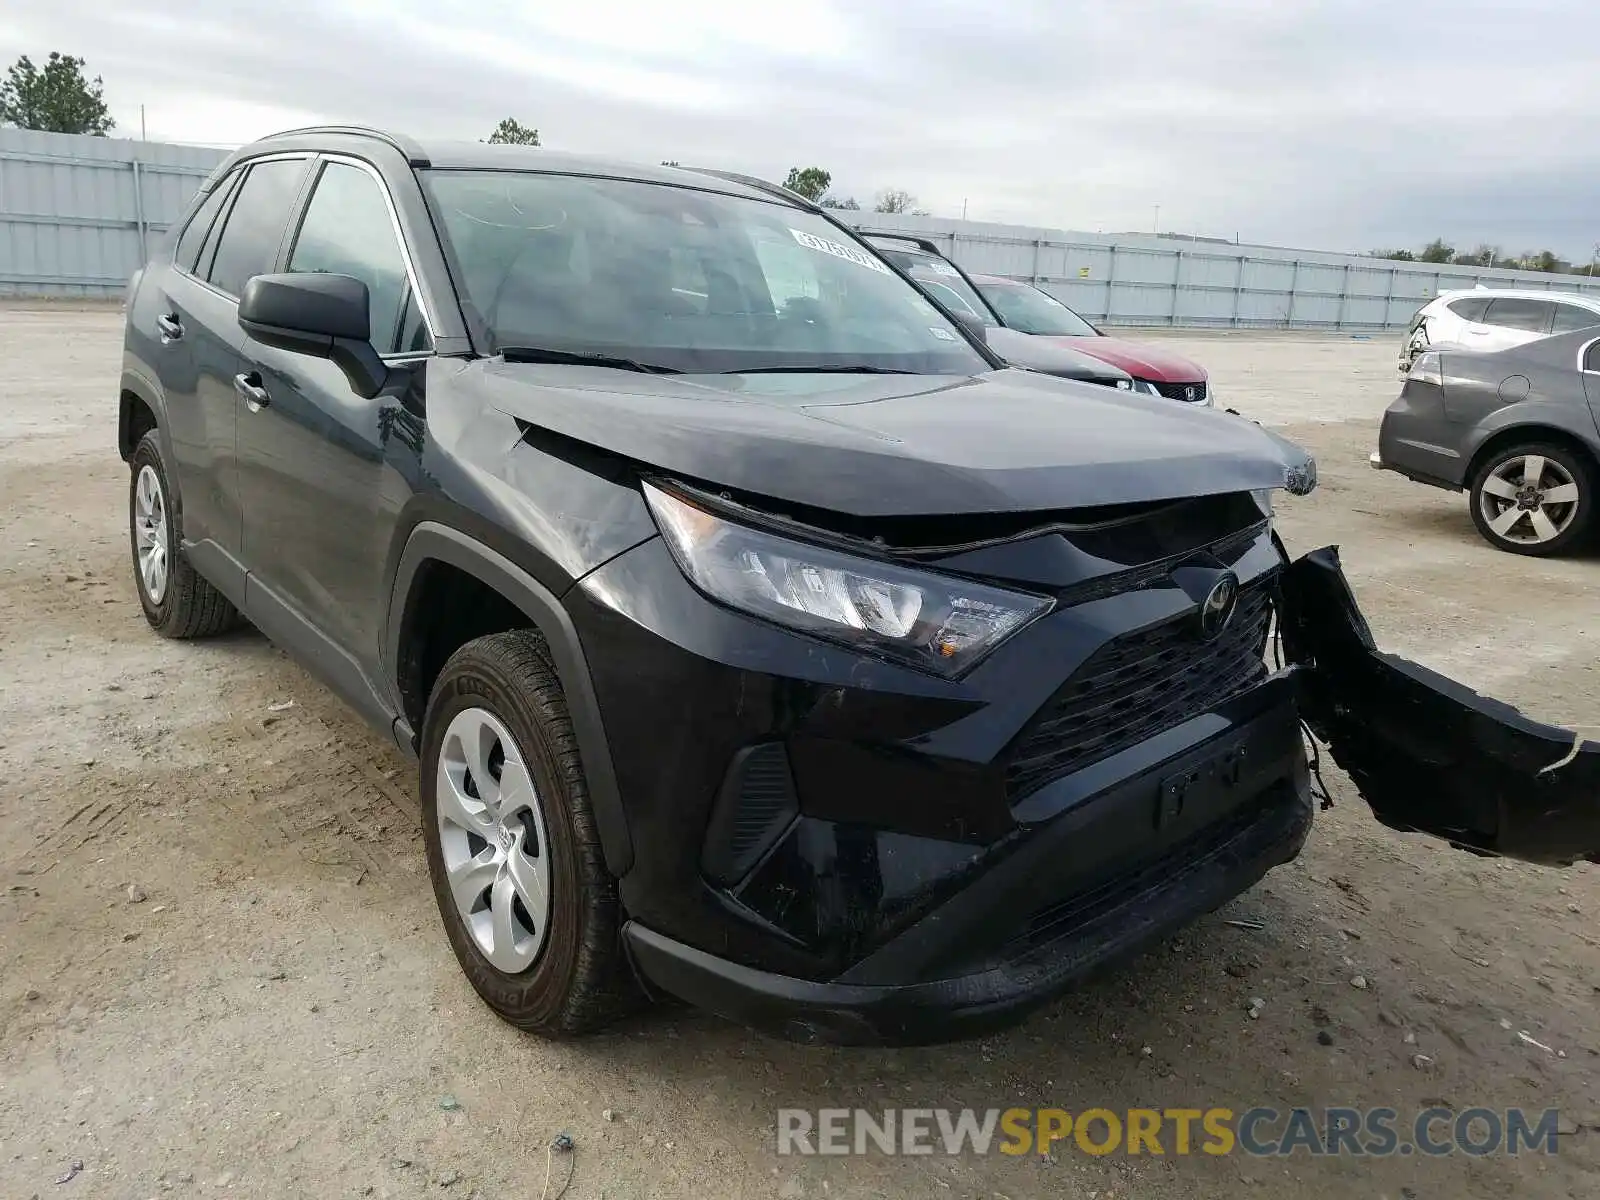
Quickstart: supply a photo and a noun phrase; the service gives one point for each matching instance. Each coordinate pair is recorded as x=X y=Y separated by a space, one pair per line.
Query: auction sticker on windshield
x=849 y=253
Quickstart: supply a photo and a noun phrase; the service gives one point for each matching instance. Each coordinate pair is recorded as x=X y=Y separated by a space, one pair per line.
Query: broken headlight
x=939 y=623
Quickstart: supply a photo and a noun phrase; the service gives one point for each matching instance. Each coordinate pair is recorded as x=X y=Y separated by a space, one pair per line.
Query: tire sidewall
x=1569 y=537
x=539 y=994
x=148 y=453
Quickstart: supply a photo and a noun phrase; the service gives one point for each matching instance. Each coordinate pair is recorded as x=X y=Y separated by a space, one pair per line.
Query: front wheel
x=1536 y=498
x=513 y=848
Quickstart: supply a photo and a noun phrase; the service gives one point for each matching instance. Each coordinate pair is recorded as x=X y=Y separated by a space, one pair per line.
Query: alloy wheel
x=1529 y=499
x=492 y=840
x=150 y=533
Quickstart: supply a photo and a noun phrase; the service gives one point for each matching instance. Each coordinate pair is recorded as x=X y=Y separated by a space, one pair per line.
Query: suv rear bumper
x=1165 y=894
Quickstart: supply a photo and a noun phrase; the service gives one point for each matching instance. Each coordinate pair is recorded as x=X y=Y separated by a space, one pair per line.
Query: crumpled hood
x=1142 y=360
x=896 y=445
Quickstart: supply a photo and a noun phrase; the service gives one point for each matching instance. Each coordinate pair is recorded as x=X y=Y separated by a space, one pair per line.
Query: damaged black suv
x=762 y=639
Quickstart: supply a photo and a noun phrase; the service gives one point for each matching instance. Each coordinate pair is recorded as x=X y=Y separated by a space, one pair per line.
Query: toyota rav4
x=760 y=637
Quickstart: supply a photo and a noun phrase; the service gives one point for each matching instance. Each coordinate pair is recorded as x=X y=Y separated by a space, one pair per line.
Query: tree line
x=1484 y=255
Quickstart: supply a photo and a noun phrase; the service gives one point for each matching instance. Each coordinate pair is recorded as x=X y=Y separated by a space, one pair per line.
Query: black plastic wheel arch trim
x=430 y=541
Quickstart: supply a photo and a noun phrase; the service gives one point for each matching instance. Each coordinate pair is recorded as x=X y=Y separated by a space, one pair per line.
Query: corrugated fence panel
x=78 y=215
x=1140 y=280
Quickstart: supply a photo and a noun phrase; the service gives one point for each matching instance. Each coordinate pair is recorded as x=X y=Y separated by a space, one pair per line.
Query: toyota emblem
x=1216 y=610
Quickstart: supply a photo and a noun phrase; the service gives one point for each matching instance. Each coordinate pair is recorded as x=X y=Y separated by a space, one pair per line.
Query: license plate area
x=1204 y=789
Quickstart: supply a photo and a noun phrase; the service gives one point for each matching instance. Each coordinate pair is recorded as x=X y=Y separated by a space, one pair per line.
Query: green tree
x=810 y=182
x=57 y=99
x=1545 y=260
x=1436 y=251
x=894 y=200
x=513 y=132
x=843 y=203
x=1396 y=255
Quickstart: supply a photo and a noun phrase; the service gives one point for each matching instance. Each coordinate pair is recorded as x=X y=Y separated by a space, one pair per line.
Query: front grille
x=1135 y=686
x=1191 y=393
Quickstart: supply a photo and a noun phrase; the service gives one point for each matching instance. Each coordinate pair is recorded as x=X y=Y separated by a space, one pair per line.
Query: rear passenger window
x=1469 y=310
x=194 y=234
x=347 y=230
x=1531 y=316
x=1574 y=316
x=255 y=223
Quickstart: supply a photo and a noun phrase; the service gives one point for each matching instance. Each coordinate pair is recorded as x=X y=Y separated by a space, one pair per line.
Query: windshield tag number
x=823 y=246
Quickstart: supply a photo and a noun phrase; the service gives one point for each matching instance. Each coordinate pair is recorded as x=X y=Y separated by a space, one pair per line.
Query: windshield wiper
x=578 y=358
x=824 y=369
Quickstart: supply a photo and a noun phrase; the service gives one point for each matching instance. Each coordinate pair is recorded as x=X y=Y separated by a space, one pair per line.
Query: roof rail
x=761 y=185
x=415 y=154
x=921 y=243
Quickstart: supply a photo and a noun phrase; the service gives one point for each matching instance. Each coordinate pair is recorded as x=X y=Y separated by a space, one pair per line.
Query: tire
x=1501 y=489
x=561 y=971
x=177 y=601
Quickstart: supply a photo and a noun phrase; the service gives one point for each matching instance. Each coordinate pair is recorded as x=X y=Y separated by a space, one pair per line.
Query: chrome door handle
x=250 y=390
x=170 y=328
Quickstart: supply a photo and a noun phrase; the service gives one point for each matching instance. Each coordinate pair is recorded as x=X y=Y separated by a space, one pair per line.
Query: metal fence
x=1150 y=281
x=79 y=215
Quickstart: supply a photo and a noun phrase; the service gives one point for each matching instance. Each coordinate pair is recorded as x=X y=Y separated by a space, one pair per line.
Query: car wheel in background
x=177 y=601
x=1536 y=498
x=512 y=844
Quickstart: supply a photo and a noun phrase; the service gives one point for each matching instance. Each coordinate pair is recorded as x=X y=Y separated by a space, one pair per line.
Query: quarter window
x=1468 y=310
x=347 y=230
x=1591 y=361
x=1531 y=316
x=1574 y=316
x=194 y=234
x=254 y=229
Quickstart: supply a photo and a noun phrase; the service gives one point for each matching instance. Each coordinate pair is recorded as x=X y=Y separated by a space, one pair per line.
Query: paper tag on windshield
x=942 y=268
x=849 y=253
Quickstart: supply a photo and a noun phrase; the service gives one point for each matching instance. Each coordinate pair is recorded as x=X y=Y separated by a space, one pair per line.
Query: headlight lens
x=939 y=623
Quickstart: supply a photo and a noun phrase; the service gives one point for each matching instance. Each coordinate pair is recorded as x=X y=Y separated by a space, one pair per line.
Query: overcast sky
x=1339 y=124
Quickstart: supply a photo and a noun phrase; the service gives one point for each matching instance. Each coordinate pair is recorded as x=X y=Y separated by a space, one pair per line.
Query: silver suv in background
x=1494 y=319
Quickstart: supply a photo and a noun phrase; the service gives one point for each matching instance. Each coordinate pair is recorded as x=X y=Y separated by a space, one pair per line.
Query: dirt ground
x=280 y=1015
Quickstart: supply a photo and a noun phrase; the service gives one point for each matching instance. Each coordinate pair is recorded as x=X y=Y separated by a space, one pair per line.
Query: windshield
x=1028 y=310
x=679 y=279
x=940 y=278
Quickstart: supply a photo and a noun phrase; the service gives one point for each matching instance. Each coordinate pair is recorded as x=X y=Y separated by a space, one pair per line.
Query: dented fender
x=1425 y=752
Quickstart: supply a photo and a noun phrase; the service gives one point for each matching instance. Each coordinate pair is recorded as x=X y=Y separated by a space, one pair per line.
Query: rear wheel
x=177 y=601
x=512 y=844
x=1536 y=498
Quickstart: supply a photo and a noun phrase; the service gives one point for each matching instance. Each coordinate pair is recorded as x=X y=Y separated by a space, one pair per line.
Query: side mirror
x=318 y=314
x=975 y=324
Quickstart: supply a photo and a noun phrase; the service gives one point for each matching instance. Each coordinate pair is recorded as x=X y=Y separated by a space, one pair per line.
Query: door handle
x=249 y=388
x=170 y=327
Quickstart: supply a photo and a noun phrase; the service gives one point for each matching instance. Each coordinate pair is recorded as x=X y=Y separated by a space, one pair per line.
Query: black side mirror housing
x=975 y=324
x=324 y=315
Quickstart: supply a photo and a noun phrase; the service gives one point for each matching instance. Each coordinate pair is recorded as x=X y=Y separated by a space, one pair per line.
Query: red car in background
x=1028 y=309
x=1025 y=309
